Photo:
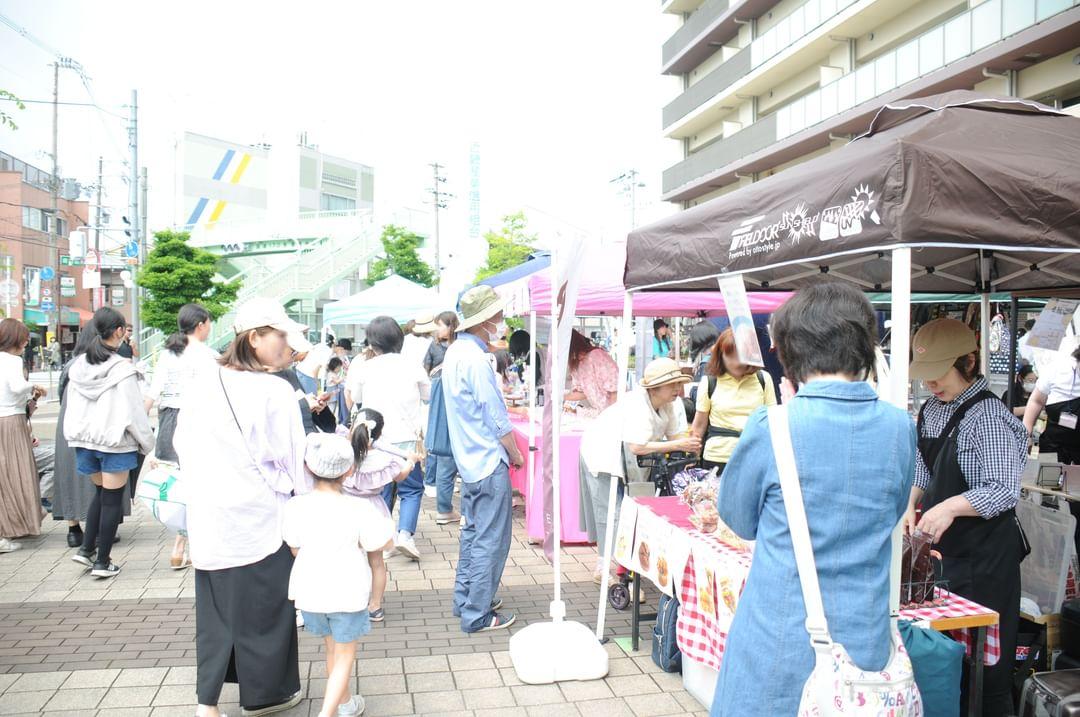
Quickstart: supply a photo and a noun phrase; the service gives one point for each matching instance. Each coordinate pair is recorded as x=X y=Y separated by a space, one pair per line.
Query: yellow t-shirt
x=730 y=406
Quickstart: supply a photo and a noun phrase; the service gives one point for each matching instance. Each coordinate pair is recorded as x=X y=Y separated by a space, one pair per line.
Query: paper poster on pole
x=566 y=271
x=742 y=320
x=1050 y=327
x=91 y=279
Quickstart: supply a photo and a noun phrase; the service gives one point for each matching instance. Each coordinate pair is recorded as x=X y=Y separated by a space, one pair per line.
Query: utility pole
x=133 y=208
x=438 y=201
x=628 y=184
x=99 y=293
x=54 y=187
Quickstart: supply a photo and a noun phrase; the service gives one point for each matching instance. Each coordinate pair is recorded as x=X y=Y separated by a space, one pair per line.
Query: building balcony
x=679 y=7
x=998 y=34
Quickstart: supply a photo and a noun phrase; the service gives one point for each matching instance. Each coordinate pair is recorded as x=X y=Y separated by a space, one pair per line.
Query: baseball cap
x=936 y=347
x=328 y=455
x=260 y=311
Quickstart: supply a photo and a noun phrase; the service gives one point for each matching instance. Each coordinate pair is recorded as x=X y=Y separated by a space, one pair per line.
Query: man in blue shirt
x=484 y=449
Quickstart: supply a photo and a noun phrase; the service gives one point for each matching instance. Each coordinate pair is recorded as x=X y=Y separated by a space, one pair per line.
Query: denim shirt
x=475 y=410
x=855 y=456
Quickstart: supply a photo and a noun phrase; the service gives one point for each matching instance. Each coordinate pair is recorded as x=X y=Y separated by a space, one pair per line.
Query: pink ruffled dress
x=380 y=467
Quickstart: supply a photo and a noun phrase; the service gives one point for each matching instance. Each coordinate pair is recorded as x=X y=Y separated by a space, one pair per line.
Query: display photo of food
x=662 y=571
x=643 y=556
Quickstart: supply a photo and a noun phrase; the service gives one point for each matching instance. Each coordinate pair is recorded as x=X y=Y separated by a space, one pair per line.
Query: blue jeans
x=441 y=471
x=485 y=545
x=410 y=492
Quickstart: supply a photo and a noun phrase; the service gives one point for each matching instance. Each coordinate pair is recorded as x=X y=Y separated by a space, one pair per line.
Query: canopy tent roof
x=984 y=190
x=601 y=292
x=393 y=296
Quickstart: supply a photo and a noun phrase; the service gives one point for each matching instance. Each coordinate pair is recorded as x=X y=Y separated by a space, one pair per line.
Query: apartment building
x=27 y=228
x=769 y=84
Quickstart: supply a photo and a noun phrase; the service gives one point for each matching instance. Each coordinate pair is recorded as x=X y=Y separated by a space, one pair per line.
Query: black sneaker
x=105 y=571
x=84 y=558
x=75 y=538
x=272 y=709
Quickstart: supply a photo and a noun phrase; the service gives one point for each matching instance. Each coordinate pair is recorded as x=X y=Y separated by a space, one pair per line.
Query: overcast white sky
x=561 y=96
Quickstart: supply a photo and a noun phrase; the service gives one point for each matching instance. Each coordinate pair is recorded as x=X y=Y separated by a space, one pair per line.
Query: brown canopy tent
x=984 y=190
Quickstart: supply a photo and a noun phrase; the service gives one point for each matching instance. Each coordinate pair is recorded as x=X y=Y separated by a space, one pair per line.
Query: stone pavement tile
x=606 y=708
x=469 y=679
x=688 y=701
x=654 y=704
x=430 y=663
x=626 y=666
x=129 y=697
x=78 y=699
x=389 y=705
x=381 y=685
x=180 y=676
x=668 y=681
x=426 y=702
x=141 y=677
x=185 y=711
x=502 y=658
x=564 y=710
x=18 y=702
x=7 y=680
x=509 y=677
x=631 y=685
x=430 y=682
x=487 y=698
x=586 y=690
x=168 y=695
x=91 y=678
x=527 y=695
x=36 y=681
x=504 y=712
x=125 y=712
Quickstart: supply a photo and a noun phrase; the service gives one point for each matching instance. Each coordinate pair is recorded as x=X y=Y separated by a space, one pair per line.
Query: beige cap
x=936 y=347
x=661 y=372
x=424 y=324
x=479 y=304
x=259 y=312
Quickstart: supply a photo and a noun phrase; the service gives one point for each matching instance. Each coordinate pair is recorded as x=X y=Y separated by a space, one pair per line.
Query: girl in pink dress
x=376 y=465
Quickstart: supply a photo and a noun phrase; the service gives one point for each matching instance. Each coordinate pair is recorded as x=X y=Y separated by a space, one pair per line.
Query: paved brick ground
x=74 y=645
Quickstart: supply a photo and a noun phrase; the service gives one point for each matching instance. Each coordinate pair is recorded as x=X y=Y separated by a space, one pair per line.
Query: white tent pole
x=609 y=530
x=901 y=347
x=984 y=335
x=558 y=370
x=531 y=383
x=678 y=338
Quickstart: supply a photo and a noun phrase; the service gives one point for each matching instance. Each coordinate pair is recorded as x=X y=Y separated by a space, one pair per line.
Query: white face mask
x=1029 y=386
x=500 y=331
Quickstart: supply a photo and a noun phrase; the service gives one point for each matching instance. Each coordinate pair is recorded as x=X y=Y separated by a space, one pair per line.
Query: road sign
x=132 y=261
x=117 y=296
x=76 y=261
x=131 y=249
x=46 y=292
x=47 y=305
x=67 y=281
x=48 y=273
x=65 y=260
x=91 y=279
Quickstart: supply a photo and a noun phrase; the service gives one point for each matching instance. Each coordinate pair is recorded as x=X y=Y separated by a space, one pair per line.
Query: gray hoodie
x=105 y=408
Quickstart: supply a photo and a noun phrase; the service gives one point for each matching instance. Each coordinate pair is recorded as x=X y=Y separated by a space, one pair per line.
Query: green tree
x=508 y=247
x=5 y=116
x=175 y=274
x=400 y=245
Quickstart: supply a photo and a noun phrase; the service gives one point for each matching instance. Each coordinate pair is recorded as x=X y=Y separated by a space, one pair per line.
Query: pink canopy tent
x=601 y=292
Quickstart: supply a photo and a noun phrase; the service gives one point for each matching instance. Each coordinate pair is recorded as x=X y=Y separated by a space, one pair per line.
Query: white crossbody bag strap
x=780 y=433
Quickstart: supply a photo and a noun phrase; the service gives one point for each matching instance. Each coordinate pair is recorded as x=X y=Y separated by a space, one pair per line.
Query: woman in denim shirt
x=855 y=456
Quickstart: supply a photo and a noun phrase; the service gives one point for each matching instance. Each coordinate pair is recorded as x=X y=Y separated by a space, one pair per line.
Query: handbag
x=836 y=686
x=162 y=492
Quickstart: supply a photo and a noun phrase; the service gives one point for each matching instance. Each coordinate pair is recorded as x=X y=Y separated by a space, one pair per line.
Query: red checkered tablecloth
x=707 y=602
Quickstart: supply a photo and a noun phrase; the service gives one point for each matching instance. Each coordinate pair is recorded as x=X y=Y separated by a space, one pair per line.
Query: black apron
x=980 y=557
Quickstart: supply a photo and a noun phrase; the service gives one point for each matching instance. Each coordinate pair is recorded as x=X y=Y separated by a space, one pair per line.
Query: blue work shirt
x=855 y=456
x=475 y=410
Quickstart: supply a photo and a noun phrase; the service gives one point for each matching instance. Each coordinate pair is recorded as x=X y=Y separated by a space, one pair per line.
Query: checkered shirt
x=991 y=446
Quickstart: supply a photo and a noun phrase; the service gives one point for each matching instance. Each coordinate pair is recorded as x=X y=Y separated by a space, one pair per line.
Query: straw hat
x=661 y=372
x=424 y=324
x=936 y=347
x=479 y=304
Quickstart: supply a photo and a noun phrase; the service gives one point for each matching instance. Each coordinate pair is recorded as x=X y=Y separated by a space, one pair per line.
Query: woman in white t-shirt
x=329 y=533
x=647 y=420
x=1058 y=392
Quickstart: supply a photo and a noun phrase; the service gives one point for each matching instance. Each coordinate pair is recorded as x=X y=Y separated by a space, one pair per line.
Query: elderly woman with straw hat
x=646 y=420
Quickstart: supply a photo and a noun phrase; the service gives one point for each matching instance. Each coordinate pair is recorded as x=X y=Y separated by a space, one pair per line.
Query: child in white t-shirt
x=329 y=534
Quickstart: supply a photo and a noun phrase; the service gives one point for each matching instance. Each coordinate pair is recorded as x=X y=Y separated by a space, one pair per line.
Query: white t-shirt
x=334 y=533
x=316 y=359
x=1060 y=380
x=631 y=419
x=414 y=349
x=395 y=387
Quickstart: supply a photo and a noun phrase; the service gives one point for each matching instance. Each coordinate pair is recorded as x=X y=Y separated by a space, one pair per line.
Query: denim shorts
x=89 y=461
x=344 y=627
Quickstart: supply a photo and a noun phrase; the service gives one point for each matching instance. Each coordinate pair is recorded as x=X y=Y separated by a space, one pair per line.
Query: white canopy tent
x=393 y=296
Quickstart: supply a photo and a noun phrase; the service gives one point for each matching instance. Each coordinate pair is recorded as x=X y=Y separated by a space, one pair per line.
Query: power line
x=69 y=104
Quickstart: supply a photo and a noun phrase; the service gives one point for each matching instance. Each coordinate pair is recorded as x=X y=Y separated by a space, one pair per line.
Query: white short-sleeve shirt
x=631 y=419
x=1059 y=381
x=333 y=532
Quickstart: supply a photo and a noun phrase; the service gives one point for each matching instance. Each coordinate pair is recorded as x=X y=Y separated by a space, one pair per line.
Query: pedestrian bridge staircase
x=344 y=245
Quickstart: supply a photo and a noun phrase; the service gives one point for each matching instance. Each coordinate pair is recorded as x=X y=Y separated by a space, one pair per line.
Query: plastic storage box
x=1043 y=573
x=700 y=681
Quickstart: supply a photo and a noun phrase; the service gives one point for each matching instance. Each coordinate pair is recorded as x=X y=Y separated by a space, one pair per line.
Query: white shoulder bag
x=836 y=686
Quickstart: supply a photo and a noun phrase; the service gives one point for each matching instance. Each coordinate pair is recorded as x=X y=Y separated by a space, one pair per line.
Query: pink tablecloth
x=569 y=446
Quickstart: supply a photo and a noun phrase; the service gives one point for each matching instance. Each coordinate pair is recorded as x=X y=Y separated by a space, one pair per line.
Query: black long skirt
x=245 y=632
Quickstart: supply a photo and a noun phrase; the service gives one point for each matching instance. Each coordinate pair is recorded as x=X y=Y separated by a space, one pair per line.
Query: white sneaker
x=430 y=491
x=352 y=708
x=8 y=546
x=406 y=545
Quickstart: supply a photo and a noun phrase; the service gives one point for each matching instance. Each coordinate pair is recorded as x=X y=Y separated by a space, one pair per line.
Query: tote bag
x=162 y=492
x=836 y=686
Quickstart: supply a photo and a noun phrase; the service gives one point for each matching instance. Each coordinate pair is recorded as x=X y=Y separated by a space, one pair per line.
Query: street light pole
x=54 y=187
x=133 y=208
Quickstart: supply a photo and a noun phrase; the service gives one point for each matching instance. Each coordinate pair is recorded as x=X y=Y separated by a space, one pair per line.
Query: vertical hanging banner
x=742 y=321
x=566 y=262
